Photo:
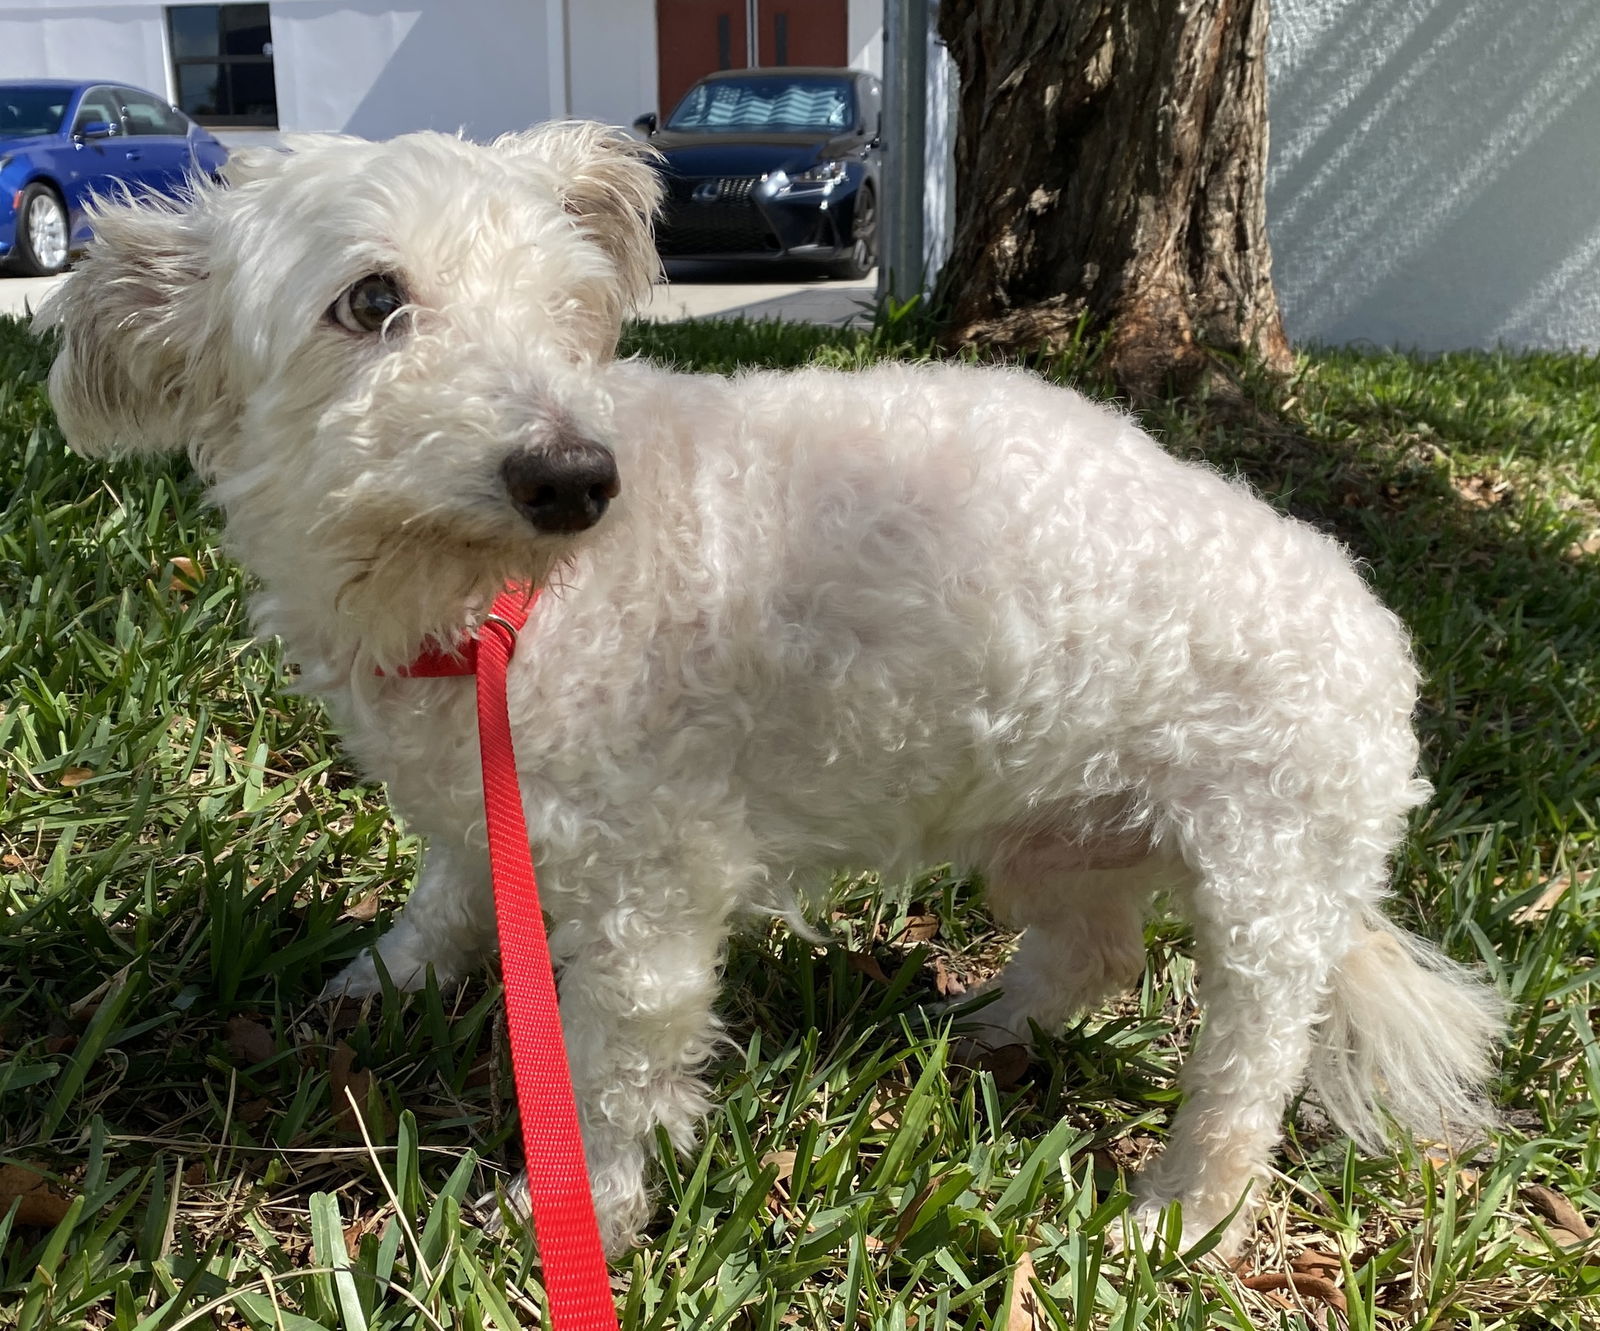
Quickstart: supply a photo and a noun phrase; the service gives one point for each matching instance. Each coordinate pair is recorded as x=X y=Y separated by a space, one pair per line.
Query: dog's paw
x=496 y=1207
x=1161 y=1226
x=357 y=980
x=407 y=972
x=509 y=1205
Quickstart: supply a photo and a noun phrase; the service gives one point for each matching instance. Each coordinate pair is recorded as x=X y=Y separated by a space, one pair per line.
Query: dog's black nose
x=564 y=488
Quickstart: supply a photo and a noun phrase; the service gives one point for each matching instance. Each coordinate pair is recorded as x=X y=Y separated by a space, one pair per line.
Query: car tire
x=863 y=255
x=43 y=243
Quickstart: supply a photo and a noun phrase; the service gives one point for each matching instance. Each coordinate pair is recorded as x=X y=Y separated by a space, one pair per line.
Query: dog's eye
x=369 y=304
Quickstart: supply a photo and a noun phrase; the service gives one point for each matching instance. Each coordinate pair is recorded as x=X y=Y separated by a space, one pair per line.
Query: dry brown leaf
x=253 y=1111
x=1006 y=1065
x=919 y=928
x=365 y=910
x=357 y=1230
x=347 y=1082
x=886 y=1117
x=945 y=981
x=910 y=1211
x=1557 y=1208
x=1541 y=906
x=75 y=776
x=1024 y=1313
x=1482 y=491
x=38 y=1204
x=1315 y=1263
x=186 y=574
x=249 y=1041
x=345 y=1013
x=784 y=1160
x=1562 y=1238
x=1306 y=1286
x=867 y=965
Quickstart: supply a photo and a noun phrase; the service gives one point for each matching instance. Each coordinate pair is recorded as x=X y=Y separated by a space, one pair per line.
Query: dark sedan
x=773 y=164
x=61 y=142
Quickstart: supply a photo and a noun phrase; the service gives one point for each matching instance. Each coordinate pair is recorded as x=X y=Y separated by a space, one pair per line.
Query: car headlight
x=817 y=177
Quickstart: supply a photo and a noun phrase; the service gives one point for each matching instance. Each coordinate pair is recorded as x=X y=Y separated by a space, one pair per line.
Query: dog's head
x=377 y=353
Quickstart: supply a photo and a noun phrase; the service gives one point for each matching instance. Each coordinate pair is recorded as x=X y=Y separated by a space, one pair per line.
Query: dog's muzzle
x=562 y=489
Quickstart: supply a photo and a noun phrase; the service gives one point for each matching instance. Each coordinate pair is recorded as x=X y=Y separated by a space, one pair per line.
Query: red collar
x=511 y=608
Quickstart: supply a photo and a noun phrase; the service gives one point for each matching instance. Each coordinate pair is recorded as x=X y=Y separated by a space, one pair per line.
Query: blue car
x=61 y=142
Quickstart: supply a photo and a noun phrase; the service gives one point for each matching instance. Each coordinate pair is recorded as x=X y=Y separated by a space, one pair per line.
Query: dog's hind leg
x=447 y=923
x=1273 y=912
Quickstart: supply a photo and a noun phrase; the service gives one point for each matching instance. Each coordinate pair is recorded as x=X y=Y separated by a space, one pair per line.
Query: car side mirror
x=646 y=124
x=96 y=129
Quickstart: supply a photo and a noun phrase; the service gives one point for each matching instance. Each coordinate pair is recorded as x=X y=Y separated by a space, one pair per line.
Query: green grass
x=184 y=857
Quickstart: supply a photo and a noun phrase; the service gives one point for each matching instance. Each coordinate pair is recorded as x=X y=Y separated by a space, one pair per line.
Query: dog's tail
x=1411 y=1033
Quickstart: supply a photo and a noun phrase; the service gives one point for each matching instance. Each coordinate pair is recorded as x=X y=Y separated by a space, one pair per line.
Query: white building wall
x=70 y=40
x=865 y=35
x=376 y=69
x=352 y=66
x=1435 y=171
x=612 y=59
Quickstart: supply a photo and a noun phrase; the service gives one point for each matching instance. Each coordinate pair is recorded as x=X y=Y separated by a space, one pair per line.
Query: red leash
x=575 y=1277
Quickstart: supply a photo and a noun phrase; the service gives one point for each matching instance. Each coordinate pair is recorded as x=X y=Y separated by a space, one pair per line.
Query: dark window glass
x=245 y=29
x=143 y=114
x=25 y=112
x=222 y=55
x=200 y=90
x=194 y=31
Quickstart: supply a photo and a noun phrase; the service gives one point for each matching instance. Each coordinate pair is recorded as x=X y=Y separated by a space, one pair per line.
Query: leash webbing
x=575 y=1277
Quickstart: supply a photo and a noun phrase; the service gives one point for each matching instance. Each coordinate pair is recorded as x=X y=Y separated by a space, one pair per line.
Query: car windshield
x=778 y=105
x=28 y=111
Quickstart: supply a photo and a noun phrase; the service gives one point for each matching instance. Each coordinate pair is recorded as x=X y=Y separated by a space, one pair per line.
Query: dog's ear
x=608 y=180
x=137 y=368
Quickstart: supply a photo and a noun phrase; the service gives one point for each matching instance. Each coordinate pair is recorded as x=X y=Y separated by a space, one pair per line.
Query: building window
x=222 y=56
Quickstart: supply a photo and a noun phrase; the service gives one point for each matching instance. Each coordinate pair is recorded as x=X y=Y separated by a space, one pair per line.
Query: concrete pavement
x=19 y=295
x=695 y=291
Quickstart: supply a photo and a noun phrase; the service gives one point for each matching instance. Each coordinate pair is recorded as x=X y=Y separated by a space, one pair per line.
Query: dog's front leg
x=446 y=923
x=636 y=1006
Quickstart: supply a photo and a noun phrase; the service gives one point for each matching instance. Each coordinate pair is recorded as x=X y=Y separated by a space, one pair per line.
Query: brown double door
x=696 y=37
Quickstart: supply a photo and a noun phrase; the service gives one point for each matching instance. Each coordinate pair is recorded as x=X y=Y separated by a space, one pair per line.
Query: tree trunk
x=1110 y=178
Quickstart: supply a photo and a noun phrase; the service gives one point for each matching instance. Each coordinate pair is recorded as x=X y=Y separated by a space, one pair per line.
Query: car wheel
x=43 y=240
x=863 y=256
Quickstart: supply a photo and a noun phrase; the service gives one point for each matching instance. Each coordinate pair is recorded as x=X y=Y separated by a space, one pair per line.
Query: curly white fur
x=888 y=618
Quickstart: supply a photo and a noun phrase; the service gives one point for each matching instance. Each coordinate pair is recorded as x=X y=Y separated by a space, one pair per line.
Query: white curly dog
x=797 y=621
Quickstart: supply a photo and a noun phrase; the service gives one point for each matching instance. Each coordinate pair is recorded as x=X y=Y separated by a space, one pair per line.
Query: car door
x=96 y=160
x=157 y=142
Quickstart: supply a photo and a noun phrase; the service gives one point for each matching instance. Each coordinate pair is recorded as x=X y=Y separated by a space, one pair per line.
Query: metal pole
x=902 y=258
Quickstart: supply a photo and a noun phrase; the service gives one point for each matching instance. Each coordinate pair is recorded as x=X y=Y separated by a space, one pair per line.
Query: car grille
x=729 y=224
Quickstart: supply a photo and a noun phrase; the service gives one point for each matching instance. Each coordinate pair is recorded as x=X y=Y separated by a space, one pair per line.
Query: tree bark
x=1111 y=179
